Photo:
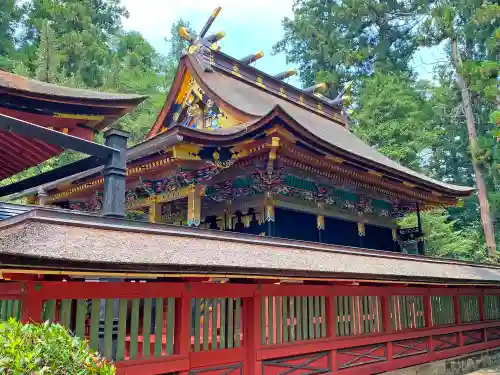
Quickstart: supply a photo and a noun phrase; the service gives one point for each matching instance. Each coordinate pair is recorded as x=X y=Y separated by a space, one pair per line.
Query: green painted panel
x=108 y=329
x=196 y=323
x=298 y=302
x=362 y=315
x=371 y=313
x=317 y=326
x=16 y=313
x=10 y=304
x=263 y=331
x=277 y=300
x=292 y=319
x=122 y=329
x=323 y=315
x=230 y=323
x=349 y=322
x=223 y=329
x=368 y=314
x=81 y=312
x=339 y=312
x=306 y=329
x=94 y=324
x=3 y=310
x=170 y=325
x=159 y=307
x=134 y=328
x=65 y=313
x=214 y=324
x=491 y=307
x=50 y=312
x=146 y=327
x=206 y=323
x=285 y=326
x=270 y=317
x=237 y=341
x=408 y=311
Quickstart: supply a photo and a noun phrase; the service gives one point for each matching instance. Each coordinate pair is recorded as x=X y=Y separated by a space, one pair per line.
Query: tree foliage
x=398 y=107
x=46 y=349
x=338 y=41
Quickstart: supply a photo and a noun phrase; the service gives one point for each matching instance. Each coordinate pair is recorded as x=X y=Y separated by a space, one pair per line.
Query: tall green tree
x=9 y=17
x=474 y=56
x=83 y=29
x=392 y=114
x=338 y=41
x=444 y=240
x=48 y=58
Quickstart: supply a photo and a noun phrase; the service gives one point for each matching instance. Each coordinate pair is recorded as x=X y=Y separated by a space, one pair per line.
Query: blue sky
x=250 y=26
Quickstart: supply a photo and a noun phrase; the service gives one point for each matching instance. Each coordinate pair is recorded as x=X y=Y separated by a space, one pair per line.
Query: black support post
x=420 y=239
x=114 y=173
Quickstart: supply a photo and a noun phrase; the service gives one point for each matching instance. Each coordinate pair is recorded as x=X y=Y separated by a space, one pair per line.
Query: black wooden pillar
x=420 y=238
x=114 y=173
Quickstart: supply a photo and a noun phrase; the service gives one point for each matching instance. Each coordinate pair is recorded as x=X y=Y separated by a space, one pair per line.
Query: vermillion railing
x=157 y=327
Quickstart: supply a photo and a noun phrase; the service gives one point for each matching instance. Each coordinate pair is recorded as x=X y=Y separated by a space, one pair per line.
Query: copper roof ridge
x=83 y=219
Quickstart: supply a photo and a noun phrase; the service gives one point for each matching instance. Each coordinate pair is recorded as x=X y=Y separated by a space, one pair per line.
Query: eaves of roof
x=93 y=242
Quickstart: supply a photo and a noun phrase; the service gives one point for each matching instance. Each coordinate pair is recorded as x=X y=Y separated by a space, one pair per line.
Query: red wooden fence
x=208 y=328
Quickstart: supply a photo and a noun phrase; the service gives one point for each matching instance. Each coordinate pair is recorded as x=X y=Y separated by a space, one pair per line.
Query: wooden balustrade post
x=428 y=314
x=385 y=301
x=182 y=341
x=456 y=308
x=331 y=324
x=32 y=303
x=251 y=328
x=480 y=301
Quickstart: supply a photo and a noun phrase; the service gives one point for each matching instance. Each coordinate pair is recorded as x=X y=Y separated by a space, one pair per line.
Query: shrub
x=43 y=349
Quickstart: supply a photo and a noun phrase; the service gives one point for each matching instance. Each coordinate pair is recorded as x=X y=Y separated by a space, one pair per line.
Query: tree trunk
x=482 y=192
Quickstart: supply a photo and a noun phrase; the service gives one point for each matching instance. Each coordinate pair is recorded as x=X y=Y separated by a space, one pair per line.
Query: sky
x=250 y=26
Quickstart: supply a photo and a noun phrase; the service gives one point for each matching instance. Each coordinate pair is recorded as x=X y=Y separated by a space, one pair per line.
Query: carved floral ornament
x=280 y=183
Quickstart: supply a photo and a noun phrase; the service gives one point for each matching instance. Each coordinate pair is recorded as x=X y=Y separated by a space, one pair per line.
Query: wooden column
x=361 y=232
x=394 y=239
x=252 y=324
x=32 y=304
x=42 y=197
x=456 y=307
x=115 y=173
x=194 y=206
x=320 y=223
x=182 y=342
x=480 y=301
x=385 y=301
x=269 y=213
x=420 y=243
x=154 y=213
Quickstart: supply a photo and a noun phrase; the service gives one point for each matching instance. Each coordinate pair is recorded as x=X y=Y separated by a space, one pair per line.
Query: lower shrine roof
x=9 y=81
x=76 y=112
x=48 y=239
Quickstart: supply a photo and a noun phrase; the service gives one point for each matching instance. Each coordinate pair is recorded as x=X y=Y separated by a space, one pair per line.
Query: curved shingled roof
x=258 y=104
x=30 y=86
x=57 y=239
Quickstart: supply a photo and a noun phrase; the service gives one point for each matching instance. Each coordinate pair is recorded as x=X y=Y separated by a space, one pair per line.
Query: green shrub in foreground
x=43 y=349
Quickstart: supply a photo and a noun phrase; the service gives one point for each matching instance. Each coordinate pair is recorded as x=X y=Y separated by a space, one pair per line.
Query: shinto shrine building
x=250 y=232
